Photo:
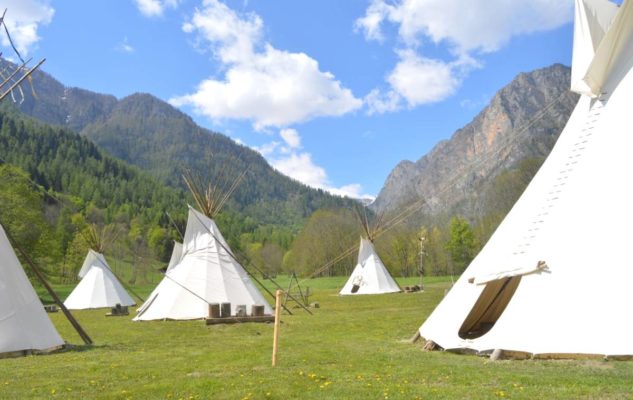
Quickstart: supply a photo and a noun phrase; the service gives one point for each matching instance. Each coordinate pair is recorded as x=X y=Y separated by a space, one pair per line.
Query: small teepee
x=207 y=271
x=99 y=287
x=24 y=325
x=370 y=276
x=554 y=280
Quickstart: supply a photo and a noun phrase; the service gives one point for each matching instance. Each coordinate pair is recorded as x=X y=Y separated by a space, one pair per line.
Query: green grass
x=352 y=348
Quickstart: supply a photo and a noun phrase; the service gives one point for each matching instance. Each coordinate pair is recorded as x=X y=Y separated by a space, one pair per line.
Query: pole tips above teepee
x=99 y=238
x=212 y=197
x=370 y=223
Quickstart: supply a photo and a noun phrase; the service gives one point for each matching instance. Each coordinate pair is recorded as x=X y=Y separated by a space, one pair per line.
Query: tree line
x=54 y=184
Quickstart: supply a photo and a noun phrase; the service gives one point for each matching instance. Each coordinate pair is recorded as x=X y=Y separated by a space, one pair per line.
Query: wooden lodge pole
x=278 y=296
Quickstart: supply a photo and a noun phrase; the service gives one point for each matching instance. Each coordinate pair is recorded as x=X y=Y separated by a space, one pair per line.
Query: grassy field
x=352 y=348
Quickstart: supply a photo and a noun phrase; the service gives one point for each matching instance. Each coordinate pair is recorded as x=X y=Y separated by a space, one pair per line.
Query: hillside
x=151 y=134
x=53 y=183
x=521 y=122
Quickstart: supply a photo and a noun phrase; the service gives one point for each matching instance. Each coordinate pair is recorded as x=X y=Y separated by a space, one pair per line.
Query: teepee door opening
x=489 y=306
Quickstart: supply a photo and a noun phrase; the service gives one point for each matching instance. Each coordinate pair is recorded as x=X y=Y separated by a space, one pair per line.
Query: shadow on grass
x=80 y=348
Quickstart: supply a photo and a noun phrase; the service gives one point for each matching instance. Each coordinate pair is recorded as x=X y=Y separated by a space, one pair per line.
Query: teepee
x=555 y=278
x=98 y=288
x=370 y=276
x=24 y=325
x=207 y=271
x=176 y=256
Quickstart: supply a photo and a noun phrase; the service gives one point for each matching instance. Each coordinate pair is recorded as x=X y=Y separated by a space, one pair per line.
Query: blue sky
x=332 y=92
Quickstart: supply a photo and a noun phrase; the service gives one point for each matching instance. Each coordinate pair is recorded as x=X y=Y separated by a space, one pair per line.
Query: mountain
x=56 y=104
x=521 y=122
x=62 y=162
x=151 y=134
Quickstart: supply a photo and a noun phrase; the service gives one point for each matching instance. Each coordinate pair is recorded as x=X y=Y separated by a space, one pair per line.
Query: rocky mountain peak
x=522 y=120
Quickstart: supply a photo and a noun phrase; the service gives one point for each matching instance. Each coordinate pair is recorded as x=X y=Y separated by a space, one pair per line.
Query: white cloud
x=125 y=47
x=416 y=81
x=474 y=25
x=354 y=191
x=299 y=165
x=232 y=38
x=155 y=8
x=378 y=102
x=23 y=19
x=465 y=28
x=268 y=148
x=270 y=87
x=422 y=80
x=291 y=137
x=371 y=23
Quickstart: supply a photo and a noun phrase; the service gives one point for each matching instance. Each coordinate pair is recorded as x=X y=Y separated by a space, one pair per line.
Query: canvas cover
x=572 y=221
x=98 y=288
x=609 y=64
x=176 y=256
x=24 y=324
x=370 y=275
x=592 y=20
x=207 y=273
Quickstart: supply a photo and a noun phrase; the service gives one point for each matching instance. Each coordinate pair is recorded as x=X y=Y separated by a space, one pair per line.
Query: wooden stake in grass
x=278 y=296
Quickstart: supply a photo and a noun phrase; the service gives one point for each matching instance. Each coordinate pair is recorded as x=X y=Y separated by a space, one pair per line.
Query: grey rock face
x=523 y=120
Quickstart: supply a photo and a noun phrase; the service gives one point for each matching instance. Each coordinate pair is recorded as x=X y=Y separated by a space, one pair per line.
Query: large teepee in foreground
x=370 y=276
x=205 y=270
x=24 y=325
x=555 y=278
x=98 y=288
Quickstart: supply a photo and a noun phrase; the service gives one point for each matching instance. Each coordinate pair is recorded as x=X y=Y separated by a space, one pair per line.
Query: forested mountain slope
x=151 y=134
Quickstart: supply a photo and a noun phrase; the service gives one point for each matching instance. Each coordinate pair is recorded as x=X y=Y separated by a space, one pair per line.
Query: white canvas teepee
x=98 y=288
x=176 y=256
x=370 y=275
x=206 y=273
x=24 y=324
x=555 y=278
